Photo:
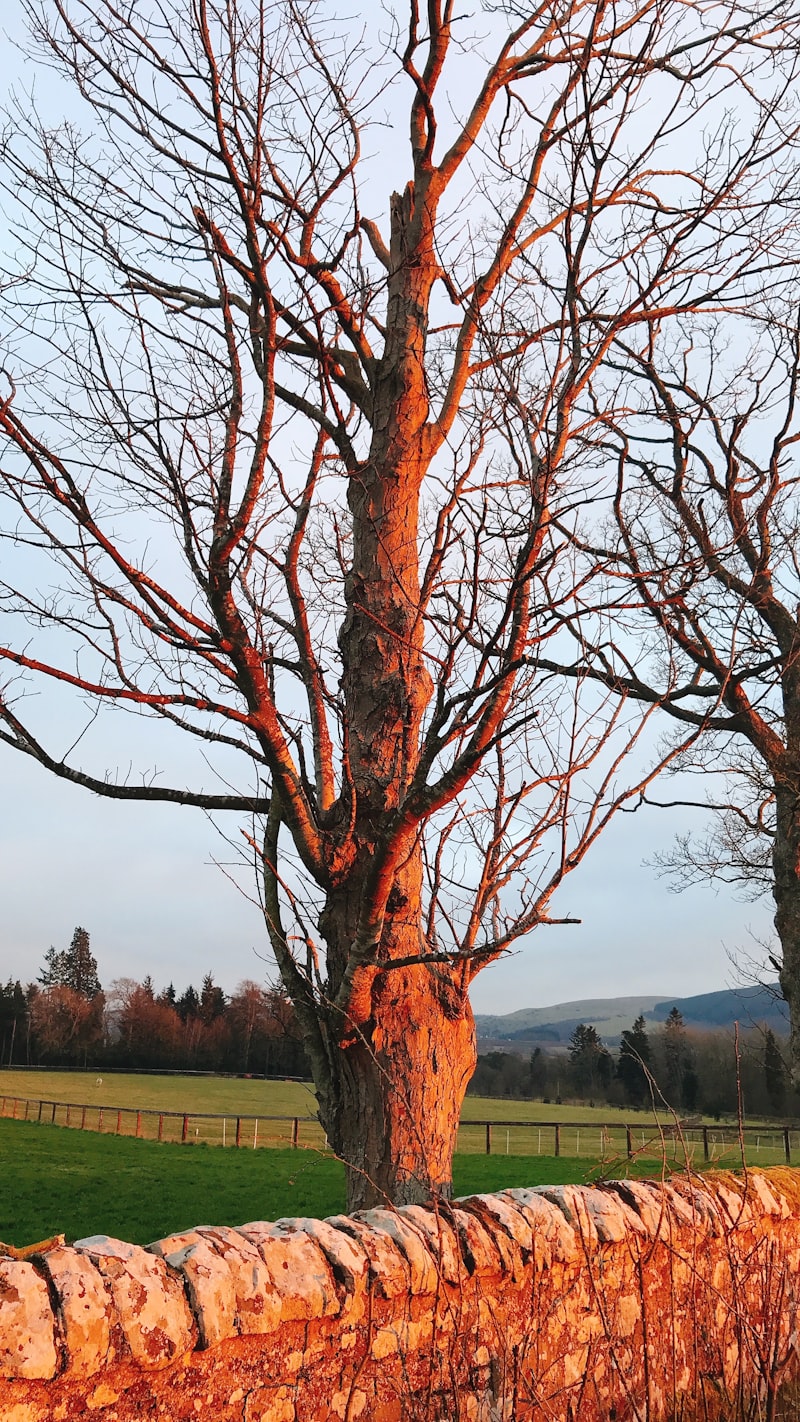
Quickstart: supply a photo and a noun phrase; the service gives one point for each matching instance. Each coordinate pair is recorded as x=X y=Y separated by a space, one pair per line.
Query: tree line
x=692 y=1072
x=66 y=1019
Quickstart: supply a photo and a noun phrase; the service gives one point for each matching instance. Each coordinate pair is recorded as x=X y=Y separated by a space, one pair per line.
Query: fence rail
x=610 y=1140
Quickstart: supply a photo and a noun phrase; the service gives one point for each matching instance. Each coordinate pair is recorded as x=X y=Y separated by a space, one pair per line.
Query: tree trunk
x=786 y=888
x=395 y=1096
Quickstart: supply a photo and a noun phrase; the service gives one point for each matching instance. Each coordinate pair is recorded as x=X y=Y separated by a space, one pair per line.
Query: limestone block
x=258 y=1305
x=735 y=1204
x=423 y=1270
x=613 y=1219
x=300 y=1273
x=149 y=1301
x=651 y=1205
x=441 y=1239
x=551 y=1234
x=704 y=1210
x=388 y=1266
x=571 y=1200
x=27 y=1325
x=347 y=1258
x=769 y=1201
x=85 y=1310
x=507 y=1247
x=208 y=1283
x=478 y=1245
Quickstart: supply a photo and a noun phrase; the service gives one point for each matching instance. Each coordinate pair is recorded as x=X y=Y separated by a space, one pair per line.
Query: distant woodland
x=65 y=1018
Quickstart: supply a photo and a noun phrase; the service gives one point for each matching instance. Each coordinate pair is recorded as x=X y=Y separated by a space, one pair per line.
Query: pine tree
x=212 y=1000
x=55 y=970
x=634 y=1062
x=590 y=1062
x=188 y=1004
x=82 y=966
x=675 y=1058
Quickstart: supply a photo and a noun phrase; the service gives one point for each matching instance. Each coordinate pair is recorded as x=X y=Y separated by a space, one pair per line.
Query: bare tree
x=704 y=426
x=301 y=480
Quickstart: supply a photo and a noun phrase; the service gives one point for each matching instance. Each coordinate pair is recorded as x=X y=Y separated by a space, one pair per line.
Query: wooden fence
x=765 y=1144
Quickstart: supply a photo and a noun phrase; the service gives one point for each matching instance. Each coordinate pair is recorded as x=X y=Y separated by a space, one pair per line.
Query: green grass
x=205 y=1110
x=209 y=1094
x=77 y=1183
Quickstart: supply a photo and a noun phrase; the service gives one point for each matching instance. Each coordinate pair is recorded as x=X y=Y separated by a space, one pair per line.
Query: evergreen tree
x=188 y=1004
x=212 y=1001
x=168 y=998
x=675 y=1058
x=55 y=970
x=634 y=1062
x=590 y=1062
x=82 y=966
x=774 y=1072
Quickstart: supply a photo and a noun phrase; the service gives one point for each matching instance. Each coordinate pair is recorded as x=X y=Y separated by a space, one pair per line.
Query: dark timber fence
x=598 y=1140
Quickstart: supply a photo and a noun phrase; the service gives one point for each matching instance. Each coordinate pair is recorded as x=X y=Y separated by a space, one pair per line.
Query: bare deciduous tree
x=364 y=434
x=704 y=427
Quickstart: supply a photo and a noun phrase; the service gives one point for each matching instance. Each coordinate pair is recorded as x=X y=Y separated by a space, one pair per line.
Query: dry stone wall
x=608 y=1302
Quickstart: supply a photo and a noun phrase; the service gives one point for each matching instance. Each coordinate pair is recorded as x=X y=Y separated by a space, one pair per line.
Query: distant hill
x=553 y=1026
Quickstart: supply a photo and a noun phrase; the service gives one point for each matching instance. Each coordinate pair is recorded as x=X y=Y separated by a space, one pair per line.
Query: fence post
x=706 y=1155
x=161 y=1125
x=255 y=1134
x=27 y=1105
x=14 y=1112
x=787 y=1149
x=295 y=1132
x=629 y=1142
x=83 y=1117
x=138 y=1124
x=184 y=1130
x=558 y=1140
x=53 y=1114
x=238 y=1130
x=100 y=1120
x=488 y=1137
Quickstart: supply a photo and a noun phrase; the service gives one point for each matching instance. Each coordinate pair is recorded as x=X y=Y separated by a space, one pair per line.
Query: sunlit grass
x=78 y=1183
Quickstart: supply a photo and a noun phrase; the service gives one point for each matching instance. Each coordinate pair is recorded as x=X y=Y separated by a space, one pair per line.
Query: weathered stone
x=614 y=1220
x=440 y=1238
x=149 y=1301
x=348 y=1259
x=478 y=1244
x=208 y=1282
x=422 y=1266
x=299 y=1270
x=704 y=1210
x=571 y=1200
x=651 y=1206
x=769 y=1199
x=85 y=1309
x=552 y=1237
x=503 y=1208
x=27 y=1325
x=389 y=1269
x=258 y=1305
x=735 y=1204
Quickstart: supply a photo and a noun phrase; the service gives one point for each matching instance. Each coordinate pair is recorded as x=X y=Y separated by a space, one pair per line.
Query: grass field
x=204 y=1110
x=77 y=1183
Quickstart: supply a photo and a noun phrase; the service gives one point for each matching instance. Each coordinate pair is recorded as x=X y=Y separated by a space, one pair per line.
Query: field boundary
x=603 y=1139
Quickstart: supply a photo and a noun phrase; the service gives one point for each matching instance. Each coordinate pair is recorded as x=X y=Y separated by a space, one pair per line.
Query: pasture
x=230 y=1111
x=78 y=1183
